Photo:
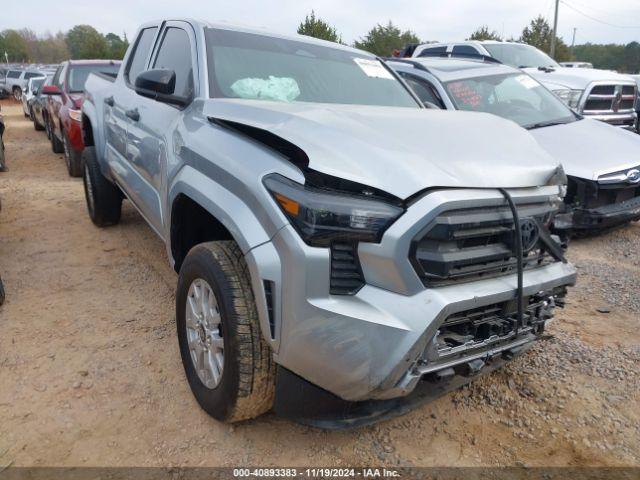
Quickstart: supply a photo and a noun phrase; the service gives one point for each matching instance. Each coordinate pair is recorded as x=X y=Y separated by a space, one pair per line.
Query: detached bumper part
x=599 y=217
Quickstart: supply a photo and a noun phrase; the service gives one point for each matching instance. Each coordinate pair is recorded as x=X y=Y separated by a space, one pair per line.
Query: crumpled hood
x=399 y=150
x=575 y=78
x=588 y=148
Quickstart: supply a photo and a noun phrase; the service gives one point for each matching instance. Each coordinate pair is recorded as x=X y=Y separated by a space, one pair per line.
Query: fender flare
x=236 y=216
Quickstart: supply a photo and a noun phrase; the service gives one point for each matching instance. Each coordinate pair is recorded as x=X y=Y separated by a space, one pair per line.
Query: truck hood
x=589 y=148
x=575 y=78
x=399 y=150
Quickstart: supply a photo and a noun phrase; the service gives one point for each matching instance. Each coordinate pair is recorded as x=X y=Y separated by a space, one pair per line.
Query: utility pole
x=573 y=42
x=555 y=31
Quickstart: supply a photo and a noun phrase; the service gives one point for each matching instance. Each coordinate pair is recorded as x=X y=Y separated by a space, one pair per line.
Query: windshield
x=252 y=66
x=78 y=74
x=514 y=96
x=520 y=56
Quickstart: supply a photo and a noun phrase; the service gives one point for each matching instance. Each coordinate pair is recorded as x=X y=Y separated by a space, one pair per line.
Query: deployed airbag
x=281 y=89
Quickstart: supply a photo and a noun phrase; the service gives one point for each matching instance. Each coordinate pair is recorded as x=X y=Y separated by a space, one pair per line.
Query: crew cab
x=335 y=242
x=598 y=94
x=601 y=161
x=65 y=95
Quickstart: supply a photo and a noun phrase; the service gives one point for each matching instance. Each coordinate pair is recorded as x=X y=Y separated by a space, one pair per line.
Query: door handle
x=109 y=101
x=133 y=114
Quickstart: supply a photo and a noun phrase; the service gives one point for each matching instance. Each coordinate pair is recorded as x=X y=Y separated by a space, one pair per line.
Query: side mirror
x=51 y=90
x=156 y=83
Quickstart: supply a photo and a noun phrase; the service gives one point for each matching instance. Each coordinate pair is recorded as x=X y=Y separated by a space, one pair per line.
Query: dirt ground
x=90 y=371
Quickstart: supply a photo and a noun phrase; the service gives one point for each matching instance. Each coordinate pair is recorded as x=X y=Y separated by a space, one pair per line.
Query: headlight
x=569 y=97
x=75 y=115
x=322 y=217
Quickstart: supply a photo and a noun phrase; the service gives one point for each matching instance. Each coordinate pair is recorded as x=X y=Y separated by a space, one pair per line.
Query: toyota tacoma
x=342 y=254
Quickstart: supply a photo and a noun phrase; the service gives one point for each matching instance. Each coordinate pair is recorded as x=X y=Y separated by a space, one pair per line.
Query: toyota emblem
x=530 y=234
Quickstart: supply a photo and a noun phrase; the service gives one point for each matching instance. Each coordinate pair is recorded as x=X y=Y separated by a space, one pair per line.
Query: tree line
x=82 y=41
x=382 y=40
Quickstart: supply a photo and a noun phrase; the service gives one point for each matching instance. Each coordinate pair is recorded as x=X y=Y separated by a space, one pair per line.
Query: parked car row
x=351 y=236
x=53 y=103
x=14 y=81
x=601 y=161
x=599 y=94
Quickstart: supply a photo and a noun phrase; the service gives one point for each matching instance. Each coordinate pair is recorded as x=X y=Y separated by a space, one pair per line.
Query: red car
x=63 y=117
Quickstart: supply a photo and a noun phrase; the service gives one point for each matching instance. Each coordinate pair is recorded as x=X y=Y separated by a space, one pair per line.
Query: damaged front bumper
x=592 y=206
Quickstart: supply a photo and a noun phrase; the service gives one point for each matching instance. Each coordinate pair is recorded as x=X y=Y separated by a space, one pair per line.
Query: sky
x=596 y=21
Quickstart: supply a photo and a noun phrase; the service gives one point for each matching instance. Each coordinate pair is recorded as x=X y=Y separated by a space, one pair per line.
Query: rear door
x=117 y=104
x=152 y=137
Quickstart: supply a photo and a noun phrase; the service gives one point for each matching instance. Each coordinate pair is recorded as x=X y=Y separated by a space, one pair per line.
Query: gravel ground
x=91 y=374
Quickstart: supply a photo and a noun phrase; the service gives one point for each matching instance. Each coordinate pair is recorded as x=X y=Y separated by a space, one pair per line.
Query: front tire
x=17 y=94
x=72 y=158
x=240 y=384
x=104 y=199
x=3 y=165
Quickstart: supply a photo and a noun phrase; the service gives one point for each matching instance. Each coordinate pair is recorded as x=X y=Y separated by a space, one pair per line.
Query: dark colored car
x=63 y=117
x=39 y=107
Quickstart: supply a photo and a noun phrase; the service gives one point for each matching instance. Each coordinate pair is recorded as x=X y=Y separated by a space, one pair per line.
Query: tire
x=17 y=94
x=47 y=127
x=72 y=158
x=2 y=294
x=56 y=145
x=3 y=165
x=104 y=199
x=246 y=386
x=36 y=125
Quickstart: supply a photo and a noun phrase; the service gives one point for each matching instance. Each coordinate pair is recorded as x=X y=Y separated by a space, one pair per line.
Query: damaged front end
x=613 y=199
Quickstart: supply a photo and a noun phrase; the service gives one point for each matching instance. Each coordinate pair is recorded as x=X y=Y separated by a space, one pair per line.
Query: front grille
x=468 y=244
x=610 y=98
x=346 y=274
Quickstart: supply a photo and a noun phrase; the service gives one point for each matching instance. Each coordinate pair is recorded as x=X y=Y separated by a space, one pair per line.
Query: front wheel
x=104 y=199
x=227 y=362
x=3 y=165
x=17 y=94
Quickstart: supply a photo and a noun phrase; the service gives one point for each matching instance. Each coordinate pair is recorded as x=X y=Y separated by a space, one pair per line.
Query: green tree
x=318 y=28
x=538 y=34
x=483 y=33
x=84 y=41
x=382 y=40
x=15 y=45
x=116 y=46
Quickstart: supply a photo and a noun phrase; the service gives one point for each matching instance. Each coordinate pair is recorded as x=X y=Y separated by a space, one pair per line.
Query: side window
x=425 y=91
x=175 y=54
x=138 y=60
x=29 y=75
x=464 y=51
x=433 y=52
x=56 y=77
x=14 y=74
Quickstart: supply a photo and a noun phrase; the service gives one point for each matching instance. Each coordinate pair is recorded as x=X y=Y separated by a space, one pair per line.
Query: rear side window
x=139 y=56
x=464 y=51
x=175 y=54
x=433 y=52
x=14 y=74
x=56 y=77
x=29 y=75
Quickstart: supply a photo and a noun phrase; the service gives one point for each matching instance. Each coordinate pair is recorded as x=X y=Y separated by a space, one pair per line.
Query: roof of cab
x=196 y=23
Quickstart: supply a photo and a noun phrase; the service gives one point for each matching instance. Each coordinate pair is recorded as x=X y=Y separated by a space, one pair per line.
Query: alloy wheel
x=204 y=333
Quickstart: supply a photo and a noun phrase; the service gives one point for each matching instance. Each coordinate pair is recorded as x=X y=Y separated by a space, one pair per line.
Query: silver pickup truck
x=335 y=242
